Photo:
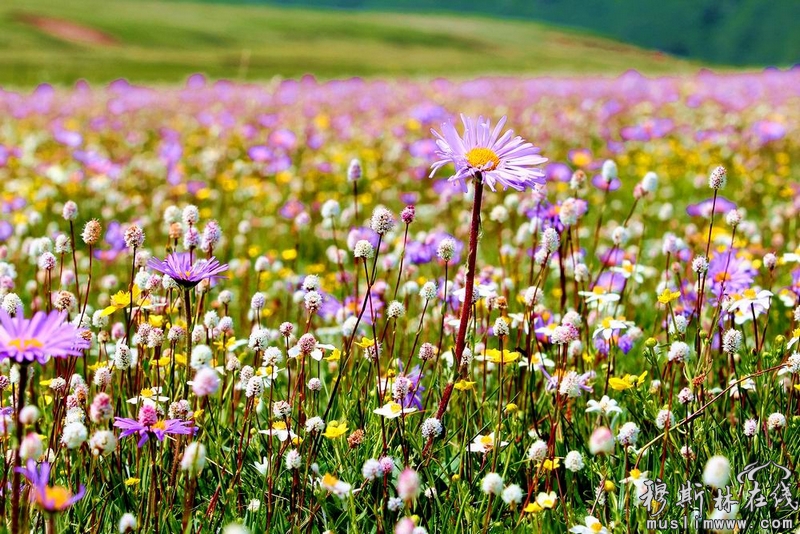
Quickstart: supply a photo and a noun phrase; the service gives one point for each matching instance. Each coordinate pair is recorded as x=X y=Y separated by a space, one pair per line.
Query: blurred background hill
x=62 y=41
x=734 y=32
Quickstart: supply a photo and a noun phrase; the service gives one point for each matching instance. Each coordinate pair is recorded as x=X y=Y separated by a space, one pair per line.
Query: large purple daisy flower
x=505 y=160
x=48 y=498
x=42 y=336
x=180 y=268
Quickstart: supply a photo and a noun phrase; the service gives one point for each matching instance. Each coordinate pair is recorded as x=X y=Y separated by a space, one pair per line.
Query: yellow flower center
x=146 y=393
x=596 y=527
x=159 y=425
x=395 y=407
x=483 y=158
x=55 y=498
x=607 y=322
x=581 y=159
x=329 y=480
x=487 y=440
x=722 y=277
x=750 y=293
x=24 y=344
x=597 y=290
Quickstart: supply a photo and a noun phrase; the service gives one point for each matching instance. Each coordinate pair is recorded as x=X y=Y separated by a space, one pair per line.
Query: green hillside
x=163 y=41
x=732 y=32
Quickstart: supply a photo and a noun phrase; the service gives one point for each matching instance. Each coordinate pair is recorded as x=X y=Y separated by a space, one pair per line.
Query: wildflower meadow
x=391 y=306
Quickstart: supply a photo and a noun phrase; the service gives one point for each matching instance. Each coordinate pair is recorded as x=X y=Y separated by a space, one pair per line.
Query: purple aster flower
x=768 y=131
x=291 y=209
x=600 y=183
x=611 y=256
x=285 y=139
x=362 y=232
x=6 y=230
x=39 y=338
x=577 y=381
x=48 y=498
x=149 y=425
x=648 y=130
x=414 y=396
x=331 y=306
x=610 y=282
x=180 y=268
x=434 y=239
x=428 y=112
x=625 y=343
x=738 y=276
x=505 y=159
x=558 y=172
x=419 y=253
x=703 y=208
x=12 y=204
x=115 y=237
x=424 y=148
x=260 y=153
x=68 y=137
x=602 y=346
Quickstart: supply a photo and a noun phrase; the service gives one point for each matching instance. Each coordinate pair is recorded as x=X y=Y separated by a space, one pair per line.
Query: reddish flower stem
x=467 y=306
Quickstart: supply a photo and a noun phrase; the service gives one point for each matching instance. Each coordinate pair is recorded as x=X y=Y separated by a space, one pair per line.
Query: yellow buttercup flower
x=228 y=345
x=532 y=508
x=464 y=385
x=668 y=296
x=122 y=300
x=494 y=355
x=335 y=429
x=95 y=366
x=334 y=356
x=550 y=465
x=626 y=382
x=365 y=343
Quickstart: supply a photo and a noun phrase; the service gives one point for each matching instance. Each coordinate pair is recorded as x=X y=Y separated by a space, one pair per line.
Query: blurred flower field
x=241 y=308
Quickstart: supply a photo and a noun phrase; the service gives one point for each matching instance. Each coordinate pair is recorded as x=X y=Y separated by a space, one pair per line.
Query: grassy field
x=161 y=41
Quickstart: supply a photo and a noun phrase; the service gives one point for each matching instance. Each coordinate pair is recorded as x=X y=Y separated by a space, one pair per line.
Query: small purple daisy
x=149 y=425
x=48 y=498
x=180 y=268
